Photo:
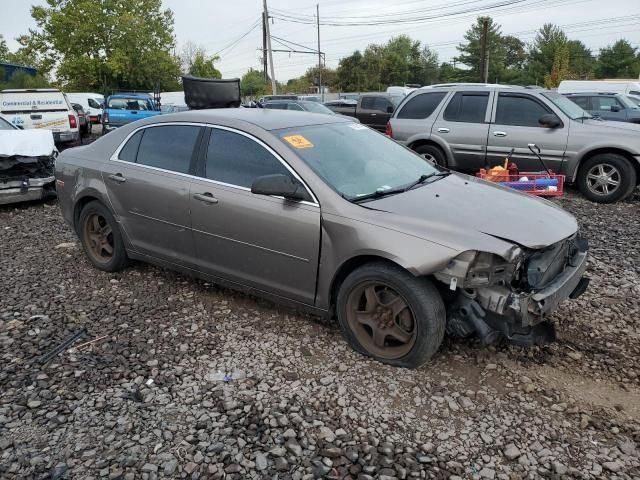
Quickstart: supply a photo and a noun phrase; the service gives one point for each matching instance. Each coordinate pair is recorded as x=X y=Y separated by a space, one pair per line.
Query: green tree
x=350 y=73
x=4 y=50
x=401 y=60
x=203 y=66
x=542 y=52
x=105 y=45
x=253 y=84
x=581 y=61
x=471 y=50
x=560 y=69
x=618 y=61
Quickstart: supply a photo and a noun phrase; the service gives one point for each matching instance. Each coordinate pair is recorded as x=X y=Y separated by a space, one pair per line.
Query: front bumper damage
x=518 y=297
x=26 y=178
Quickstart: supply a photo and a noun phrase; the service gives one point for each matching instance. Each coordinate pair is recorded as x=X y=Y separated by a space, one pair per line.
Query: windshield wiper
x=380 y=192
x=424 y=178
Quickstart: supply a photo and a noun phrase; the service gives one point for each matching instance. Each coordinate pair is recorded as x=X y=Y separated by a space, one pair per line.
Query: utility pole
x=320 y=89
x=484 y=51
x=264 y=47
x=266 y=21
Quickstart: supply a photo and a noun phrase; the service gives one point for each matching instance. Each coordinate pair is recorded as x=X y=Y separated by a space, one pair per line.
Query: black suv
x=608 y=106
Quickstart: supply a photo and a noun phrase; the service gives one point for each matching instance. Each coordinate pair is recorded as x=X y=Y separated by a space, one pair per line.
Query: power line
x=236 y=41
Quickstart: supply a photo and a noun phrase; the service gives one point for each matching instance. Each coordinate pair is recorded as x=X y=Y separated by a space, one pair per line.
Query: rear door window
x=368 y=103
x=582 y=102
x=382 y=104
x=421 y=106
x=129 y=152
x=604 y=104
x=238 y=160
x=169 y=147
x=520 y=110
x=469 y=107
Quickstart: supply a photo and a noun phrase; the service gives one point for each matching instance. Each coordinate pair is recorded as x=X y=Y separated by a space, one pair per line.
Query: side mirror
x=280 y=185
x=550 y=121
x=389 y=109
x=615 y=108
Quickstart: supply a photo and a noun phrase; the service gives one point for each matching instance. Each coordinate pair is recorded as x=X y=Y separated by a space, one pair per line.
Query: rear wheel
x=388 y=314
x=606 y=178
x=432 y=154
x=101 y=239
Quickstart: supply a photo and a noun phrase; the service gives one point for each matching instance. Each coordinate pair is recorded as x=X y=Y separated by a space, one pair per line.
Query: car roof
x=591 y=93
x=145 y=96
x=267 y=119
x=29 y=90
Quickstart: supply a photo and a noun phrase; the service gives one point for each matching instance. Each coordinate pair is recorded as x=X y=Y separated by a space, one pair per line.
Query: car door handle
x=443 y=130
x=117 y=177
x=374 y=114
x=499 y=134
x=205 y=197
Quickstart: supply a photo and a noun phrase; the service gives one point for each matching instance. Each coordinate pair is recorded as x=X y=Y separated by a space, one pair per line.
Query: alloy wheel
x=98 y=237
x=603 y=179
x=381 y=320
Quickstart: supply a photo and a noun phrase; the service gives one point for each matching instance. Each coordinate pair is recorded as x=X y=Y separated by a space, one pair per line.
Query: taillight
x=105 y=117
x=388 y=131
x=73 y=122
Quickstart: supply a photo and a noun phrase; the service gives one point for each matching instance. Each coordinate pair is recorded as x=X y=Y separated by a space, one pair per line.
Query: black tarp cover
x=201 y=93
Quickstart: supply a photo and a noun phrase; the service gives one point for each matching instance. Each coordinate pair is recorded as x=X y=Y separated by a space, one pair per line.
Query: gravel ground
x=147 y=399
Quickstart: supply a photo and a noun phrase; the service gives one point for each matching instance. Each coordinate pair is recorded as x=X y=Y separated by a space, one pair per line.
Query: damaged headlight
x=473 y=269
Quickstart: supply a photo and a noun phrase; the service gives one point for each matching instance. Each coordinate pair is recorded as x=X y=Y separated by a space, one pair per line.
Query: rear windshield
x=27 y=101
x=128 y=104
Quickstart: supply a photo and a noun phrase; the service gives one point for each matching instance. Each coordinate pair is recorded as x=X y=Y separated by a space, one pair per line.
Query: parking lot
x=148 y=397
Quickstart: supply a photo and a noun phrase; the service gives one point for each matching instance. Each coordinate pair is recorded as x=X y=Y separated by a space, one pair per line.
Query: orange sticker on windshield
x=298 y=141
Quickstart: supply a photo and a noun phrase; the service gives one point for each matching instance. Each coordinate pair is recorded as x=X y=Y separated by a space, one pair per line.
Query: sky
x=232 y=29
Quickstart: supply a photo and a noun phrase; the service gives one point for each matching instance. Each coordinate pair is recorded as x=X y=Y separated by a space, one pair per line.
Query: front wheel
x=432 y=154
x=606 y=178
x=101 y=238
x=388 y=314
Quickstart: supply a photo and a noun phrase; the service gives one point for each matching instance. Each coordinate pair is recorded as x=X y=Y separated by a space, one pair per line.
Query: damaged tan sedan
x=330 y=216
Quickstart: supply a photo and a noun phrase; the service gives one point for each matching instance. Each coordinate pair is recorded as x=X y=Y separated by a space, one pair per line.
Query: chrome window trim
x=116 y=154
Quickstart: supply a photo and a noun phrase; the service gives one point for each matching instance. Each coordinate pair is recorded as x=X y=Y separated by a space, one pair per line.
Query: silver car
x=469 y=127
x=330 y=216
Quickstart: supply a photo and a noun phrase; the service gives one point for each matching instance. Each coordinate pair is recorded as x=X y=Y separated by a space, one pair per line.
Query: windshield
x=316 y=107
x=570 y=109
x=128 y=104
x=353 y=159
x=5 y=125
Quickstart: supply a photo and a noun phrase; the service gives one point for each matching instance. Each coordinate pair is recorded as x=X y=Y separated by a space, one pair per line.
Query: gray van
x=468 y=127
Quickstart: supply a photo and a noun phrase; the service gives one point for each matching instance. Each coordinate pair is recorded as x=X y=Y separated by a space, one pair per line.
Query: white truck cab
x=45 y=108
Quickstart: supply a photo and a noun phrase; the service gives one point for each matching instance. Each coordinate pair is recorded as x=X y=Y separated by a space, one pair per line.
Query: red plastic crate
x=537 y=183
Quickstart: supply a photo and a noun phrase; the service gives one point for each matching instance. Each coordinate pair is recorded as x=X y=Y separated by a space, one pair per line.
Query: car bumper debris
x=517 y=298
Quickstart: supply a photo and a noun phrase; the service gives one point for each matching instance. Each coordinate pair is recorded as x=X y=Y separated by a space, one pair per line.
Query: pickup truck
x=123 y=108
x=372 y=109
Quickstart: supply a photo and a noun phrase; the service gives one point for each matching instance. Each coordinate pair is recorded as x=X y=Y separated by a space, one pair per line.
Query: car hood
x=617 y=126
x=464 y=212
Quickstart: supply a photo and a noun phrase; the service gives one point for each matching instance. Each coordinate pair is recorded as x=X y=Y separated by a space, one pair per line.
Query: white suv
x=46 y=108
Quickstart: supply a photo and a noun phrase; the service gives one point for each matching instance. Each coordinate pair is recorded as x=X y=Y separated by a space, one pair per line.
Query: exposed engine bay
x=493 y=297
x=27 y=160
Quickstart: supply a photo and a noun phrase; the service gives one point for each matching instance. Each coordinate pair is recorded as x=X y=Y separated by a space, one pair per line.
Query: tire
x=597 y=174
x=418 y=313
x=432 y=154
x=102 y=241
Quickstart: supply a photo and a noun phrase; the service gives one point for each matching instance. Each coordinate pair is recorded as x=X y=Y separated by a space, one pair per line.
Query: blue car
x=123 y=108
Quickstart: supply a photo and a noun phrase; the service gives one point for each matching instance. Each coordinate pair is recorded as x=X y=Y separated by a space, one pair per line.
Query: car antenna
x=536 y=152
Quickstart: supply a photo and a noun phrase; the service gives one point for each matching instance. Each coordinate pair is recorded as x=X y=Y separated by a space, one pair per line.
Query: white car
x=26 y=163
x=92 y=104
x=41 y=108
